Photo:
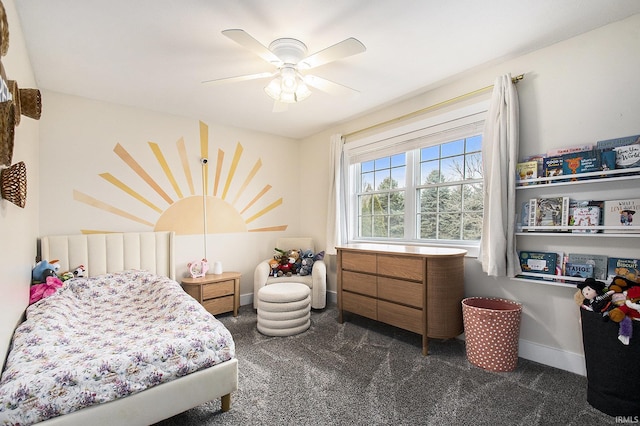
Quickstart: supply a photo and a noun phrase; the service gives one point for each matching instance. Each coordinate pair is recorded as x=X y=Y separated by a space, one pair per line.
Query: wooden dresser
x=218 y=293
x=415 y=288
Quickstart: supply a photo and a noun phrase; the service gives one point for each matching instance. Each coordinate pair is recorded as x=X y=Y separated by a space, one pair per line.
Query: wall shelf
x=600 y=182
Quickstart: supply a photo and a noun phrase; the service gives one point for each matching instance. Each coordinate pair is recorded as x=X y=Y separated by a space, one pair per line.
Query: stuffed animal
x=79 y=272
x=294 y=260
x=44 y=269
x=306 y=266
x=631 y=306
x=595 y=298
x=620 y=283
x=274 y=265
x=319 y=256
x=45 y=289
x=623 y=314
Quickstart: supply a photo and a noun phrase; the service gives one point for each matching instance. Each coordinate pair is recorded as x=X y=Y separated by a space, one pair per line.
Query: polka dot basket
x=492 y=330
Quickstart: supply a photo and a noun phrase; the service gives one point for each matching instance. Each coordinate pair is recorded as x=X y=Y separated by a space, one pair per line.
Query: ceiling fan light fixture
x=288 y=87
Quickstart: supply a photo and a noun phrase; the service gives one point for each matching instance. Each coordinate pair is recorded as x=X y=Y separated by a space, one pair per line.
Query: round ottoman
x=284 y=309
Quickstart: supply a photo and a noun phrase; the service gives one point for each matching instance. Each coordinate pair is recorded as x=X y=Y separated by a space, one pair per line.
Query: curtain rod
x=515 y=80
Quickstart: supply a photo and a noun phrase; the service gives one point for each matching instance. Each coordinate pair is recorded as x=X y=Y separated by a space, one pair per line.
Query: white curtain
x=499 y=156
x=336 y=204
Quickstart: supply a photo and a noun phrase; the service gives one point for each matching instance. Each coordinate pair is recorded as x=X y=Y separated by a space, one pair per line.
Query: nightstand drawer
x=221 y=288
x=219 y=305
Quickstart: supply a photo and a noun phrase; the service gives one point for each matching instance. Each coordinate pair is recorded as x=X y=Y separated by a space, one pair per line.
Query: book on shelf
x=561 y=261
x=624 y=267
x=585 y=216
x=527 y=170
x=620 y=213
x=599 y=262
x=607 y=160
x=524 y=213
x=553 y=167
x=580 y=162
x=568 y=150
x=538 y=262
x=627 y=156
x=616 y=142
x=583 y=270
x=550 y=211
x=538 y=158
x=573 y=204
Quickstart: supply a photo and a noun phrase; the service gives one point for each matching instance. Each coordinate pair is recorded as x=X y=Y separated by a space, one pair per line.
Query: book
x=624 y=267
x=620 y=213
x=538 y=158
x=580 y=162
x=584 y=270
x=527 y=170
x=551 y=211
x=552 y=167
x=586 y=216
x=560 y=262
x=616 y=142
x=599 y=262
x=538 y=262
x=627 y=156
x=568 y=150
x=607 y=160
x=524 y=213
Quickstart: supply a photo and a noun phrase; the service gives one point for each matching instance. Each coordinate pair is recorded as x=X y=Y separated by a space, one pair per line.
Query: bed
x=142 y=265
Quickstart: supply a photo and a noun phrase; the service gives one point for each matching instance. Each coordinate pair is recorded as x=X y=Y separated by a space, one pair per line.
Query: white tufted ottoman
x=284 y=309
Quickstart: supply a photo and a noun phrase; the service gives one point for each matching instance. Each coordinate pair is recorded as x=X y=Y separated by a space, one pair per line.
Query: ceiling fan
x=289 y=56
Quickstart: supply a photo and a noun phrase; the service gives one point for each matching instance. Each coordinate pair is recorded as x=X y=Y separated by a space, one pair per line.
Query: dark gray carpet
x=363 y=372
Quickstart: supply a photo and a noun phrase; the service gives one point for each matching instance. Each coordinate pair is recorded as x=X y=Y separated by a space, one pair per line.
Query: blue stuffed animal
x=44 y=269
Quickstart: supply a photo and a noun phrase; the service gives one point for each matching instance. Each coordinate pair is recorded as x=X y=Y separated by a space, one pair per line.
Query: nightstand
x=218 y=293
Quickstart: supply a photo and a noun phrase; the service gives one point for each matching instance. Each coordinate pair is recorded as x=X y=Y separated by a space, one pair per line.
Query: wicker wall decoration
x=31 y=103
x=7 y=132
x=4 y=31
x=13 y=184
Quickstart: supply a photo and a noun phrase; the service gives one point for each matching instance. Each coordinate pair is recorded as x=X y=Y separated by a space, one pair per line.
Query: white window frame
x=434 y=130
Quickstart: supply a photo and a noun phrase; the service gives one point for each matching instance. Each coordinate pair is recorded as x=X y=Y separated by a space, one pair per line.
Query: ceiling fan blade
x=245 y=40
x=239 y=78
x=348 y=47
x=280 y=106
x=329 y=86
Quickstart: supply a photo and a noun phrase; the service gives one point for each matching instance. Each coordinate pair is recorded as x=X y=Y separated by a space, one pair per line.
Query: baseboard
x=564 y=360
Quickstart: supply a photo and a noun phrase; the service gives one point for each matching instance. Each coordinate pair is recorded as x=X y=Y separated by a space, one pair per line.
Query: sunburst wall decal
x=182 y=213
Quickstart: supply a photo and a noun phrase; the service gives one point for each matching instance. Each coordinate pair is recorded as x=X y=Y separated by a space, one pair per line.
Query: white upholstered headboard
x=106 y=253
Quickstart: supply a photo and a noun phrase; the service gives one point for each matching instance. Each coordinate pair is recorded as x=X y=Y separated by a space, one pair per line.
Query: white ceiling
x=154 y=54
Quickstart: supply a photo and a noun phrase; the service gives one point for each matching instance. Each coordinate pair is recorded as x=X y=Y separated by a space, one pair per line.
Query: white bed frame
x=152 y=251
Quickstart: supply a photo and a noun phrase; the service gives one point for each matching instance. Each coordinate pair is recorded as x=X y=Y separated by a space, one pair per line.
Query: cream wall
x=77 y=143
x=574 y=92
x=18 y=227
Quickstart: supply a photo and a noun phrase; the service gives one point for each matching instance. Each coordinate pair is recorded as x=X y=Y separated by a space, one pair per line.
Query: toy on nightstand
x=198 y=268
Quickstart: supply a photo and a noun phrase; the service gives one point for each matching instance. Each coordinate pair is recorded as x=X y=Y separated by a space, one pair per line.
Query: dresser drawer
x=219 y=305
x=359 y=283
x=362 y=262
x=404 y=267
x=400 y=316
x=222 y=288
x=405 y=292
x=358 y=304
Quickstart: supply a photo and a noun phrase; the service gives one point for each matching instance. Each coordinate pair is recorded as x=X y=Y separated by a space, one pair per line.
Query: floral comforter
x=102 y=338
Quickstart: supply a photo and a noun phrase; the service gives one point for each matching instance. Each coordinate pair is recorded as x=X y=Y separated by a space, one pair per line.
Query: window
x=423 y=186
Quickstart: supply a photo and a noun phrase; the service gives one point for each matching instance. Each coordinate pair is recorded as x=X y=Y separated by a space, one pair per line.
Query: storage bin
x=613 y=369
x=492 y=330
